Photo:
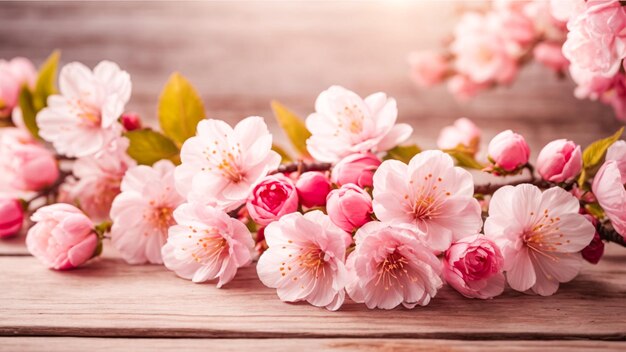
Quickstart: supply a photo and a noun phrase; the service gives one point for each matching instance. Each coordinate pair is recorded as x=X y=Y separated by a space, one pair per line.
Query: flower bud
x=559 y=161
x=62 y=238
x=349 y=207
x=130 y=121
x=595 y=249
x=272 y=198
x=313 y=188
x=463 y=132
x=35 y=167
x=11 y=217
x=508 y=151
x=356 y=168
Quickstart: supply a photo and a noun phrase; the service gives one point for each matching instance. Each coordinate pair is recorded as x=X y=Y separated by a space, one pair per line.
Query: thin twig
x=610 y=235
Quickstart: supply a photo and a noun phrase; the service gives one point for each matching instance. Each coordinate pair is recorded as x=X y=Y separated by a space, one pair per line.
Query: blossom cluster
x=585 y=38
x=359 y=214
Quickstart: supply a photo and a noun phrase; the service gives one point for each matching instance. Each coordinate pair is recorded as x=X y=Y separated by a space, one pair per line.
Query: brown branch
x=610 y=235
x=302 y=166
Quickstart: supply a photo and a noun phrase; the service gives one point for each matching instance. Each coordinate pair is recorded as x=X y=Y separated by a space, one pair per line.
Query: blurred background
x=240 y=55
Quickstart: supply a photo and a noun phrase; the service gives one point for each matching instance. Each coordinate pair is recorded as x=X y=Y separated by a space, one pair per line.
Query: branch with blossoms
x=584 y=39
x=351 y=210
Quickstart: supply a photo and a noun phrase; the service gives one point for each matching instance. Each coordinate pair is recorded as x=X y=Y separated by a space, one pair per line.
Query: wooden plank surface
x=68 y=344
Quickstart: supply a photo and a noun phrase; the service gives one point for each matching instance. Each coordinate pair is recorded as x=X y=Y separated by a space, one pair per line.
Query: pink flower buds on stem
x=313 y=188
x=272 y=198
x=349 y=207
x=356 y=168
x=559 y=161
x=63 y=237
x=131 y=121
x=11 y=217
x=508 y=151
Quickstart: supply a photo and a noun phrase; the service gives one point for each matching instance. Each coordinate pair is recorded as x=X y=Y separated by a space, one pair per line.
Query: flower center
x=225 y=161
x=392 y=270
x=87 y=113
x=544 y=235
x=428 y=199
x=210 y=247
x=351 y=118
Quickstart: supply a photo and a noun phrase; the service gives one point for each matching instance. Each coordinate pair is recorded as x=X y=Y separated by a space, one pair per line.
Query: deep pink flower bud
x=272 y=198
x=508 y=150
x=473 y=267
x=130 y=121
x=356 y=168
x=62 y=238
x=349 y=207
x=35 y=167
x=313 y=188
x=11 y=217
x=595 y=249
x=559 y=161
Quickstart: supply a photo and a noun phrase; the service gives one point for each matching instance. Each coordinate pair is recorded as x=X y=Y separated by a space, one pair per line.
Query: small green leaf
x=46 y=80
x=403 y=153
x=464 y=159
x=285 y=158
x=593 y=156
x=29 y=113
x=180 y=109
x=595 y=209
x=148 y=146
x=294 y=128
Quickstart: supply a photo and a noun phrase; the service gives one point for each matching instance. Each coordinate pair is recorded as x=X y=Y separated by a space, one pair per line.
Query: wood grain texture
x=68 y=344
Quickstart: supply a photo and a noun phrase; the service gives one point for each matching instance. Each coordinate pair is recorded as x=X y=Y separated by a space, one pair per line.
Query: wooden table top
x=240 y=56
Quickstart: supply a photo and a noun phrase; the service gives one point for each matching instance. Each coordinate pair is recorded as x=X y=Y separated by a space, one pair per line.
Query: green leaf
x=46 y=80
x=148 y=146
x=180 y=109
x=595 y=209
x=593 y=156
x=464 y=159
x=285 y=158
x=403 y=153
x=294 y=128
x=29 y=113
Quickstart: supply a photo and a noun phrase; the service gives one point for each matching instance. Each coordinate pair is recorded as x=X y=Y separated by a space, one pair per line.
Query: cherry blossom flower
x=508 y=151
x=272 y=198
x=305 y=260
x=221 y=165
x=540 y=235
x=428 y=68
x=207 y=244
x=390 y=266
x=559 y=161
x=15 y=74
x=83 y=118
x=462 y=133
x=608 y=187
x=142 y=213
x=344 y=124
x=617 y=152
x=429 y=193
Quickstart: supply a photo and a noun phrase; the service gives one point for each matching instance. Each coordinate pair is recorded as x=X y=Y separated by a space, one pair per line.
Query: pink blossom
x=356 y=168
x=473 y=267
x=349 y=207
x=429 y=193
x=551 y=55
x=390 y=266
x=608 y=187
x=462 y=133
x=344 y=124
x=142 y=213
x=62 y=237
x=83 y=118
x=513 y=25
x=313 y=188
x=615 y=96
x=540 y=235
x=130 y=121
x=562 y=10
x=464 y=88
x=272 y=198
x=11 y=217
x=508 y=150
x=207 y=244
x=596 y=41
x=221 y=165
x=15 y=74
x=617 y=152
x=428 y=68
x=305 y=260
x=98 y=179
x=559 y=161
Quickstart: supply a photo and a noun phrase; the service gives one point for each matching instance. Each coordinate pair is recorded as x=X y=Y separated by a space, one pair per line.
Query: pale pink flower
x=562 y=10
x=11 y=217
x=83 y=117
x=207 y=244
x=540 y=235
x=98 y=179
x=349 y=207
x=551 y=55
x=463 y=88
x=428 y=68
x=608 y=187
x=462 y=133
x=344 y=124
x=390 y=266
x=508 y=150
x=513 y=25
x=15 y=74
x=473 y=267
x=596 y=41
x=429 y=193
x=313 y=188
x=559 y=161
x=221 y=165
x=356 y=168
x=305 y=260
x=62 y=237
x=617 y=152
x=142 y=213
x=272 y=198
